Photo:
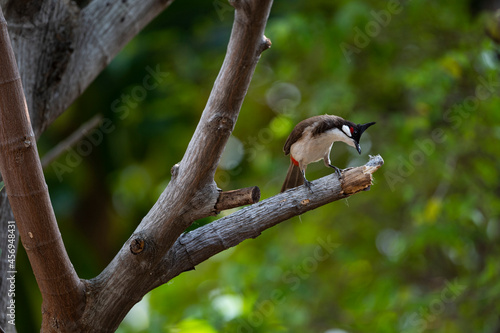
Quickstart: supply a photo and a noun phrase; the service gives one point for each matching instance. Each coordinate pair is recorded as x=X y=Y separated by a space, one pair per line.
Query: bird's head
x=354 y=131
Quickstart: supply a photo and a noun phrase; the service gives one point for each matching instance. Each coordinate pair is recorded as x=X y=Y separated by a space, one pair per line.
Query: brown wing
x=325 y=122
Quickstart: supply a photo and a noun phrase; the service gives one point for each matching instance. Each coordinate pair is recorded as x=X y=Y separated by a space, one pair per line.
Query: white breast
x=310 y=149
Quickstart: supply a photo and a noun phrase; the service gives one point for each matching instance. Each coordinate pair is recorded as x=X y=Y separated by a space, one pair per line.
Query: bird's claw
x=337 y=170
x=308 y=184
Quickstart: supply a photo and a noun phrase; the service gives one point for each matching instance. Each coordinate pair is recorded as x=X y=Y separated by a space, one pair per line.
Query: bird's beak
x=363 y=127
x=358 y=147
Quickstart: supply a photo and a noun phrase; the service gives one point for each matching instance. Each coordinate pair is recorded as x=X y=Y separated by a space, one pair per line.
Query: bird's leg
x=326 y=159
x=337 y=170
x=306 y=182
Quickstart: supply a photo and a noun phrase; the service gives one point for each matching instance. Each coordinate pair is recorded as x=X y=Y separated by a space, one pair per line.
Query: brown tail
x=293 y=178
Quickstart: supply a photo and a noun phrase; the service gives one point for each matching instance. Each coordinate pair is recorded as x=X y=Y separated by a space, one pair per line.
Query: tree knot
x=137 y=245
x=222 y=123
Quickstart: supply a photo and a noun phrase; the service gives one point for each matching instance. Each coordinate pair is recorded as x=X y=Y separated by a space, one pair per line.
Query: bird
x=312 y=139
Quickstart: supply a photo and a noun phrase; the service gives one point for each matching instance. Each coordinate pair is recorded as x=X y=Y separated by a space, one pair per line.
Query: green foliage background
x=418 y=252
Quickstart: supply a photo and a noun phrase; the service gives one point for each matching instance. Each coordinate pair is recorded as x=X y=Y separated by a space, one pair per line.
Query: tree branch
x=28 y=195
x=192 y=192
x=194 y=247
x=71 y=140
x=237 y=198
x=196 y=171
x=197 y=168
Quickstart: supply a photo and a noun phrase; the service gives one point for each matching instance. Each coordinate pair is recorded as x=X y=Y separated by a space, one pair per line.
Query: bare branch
x=237 y=198
x=197 y=246
x=71 y=140
x=197 y=168
x=27 y=191
x=192 y=192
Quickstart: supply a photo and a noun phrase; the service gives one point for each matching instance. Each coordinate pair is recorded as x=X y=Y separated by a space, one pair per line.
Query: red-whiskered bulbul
x=312 y=139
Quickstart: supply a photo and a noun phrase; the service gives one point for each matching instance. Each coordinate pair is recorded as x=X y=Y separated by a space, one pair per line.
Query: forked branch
x=192 y=193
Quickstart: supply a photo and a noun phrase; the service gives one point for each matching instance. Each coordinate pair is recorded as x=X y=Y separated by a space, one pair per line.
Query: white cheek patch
x=346 y=130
